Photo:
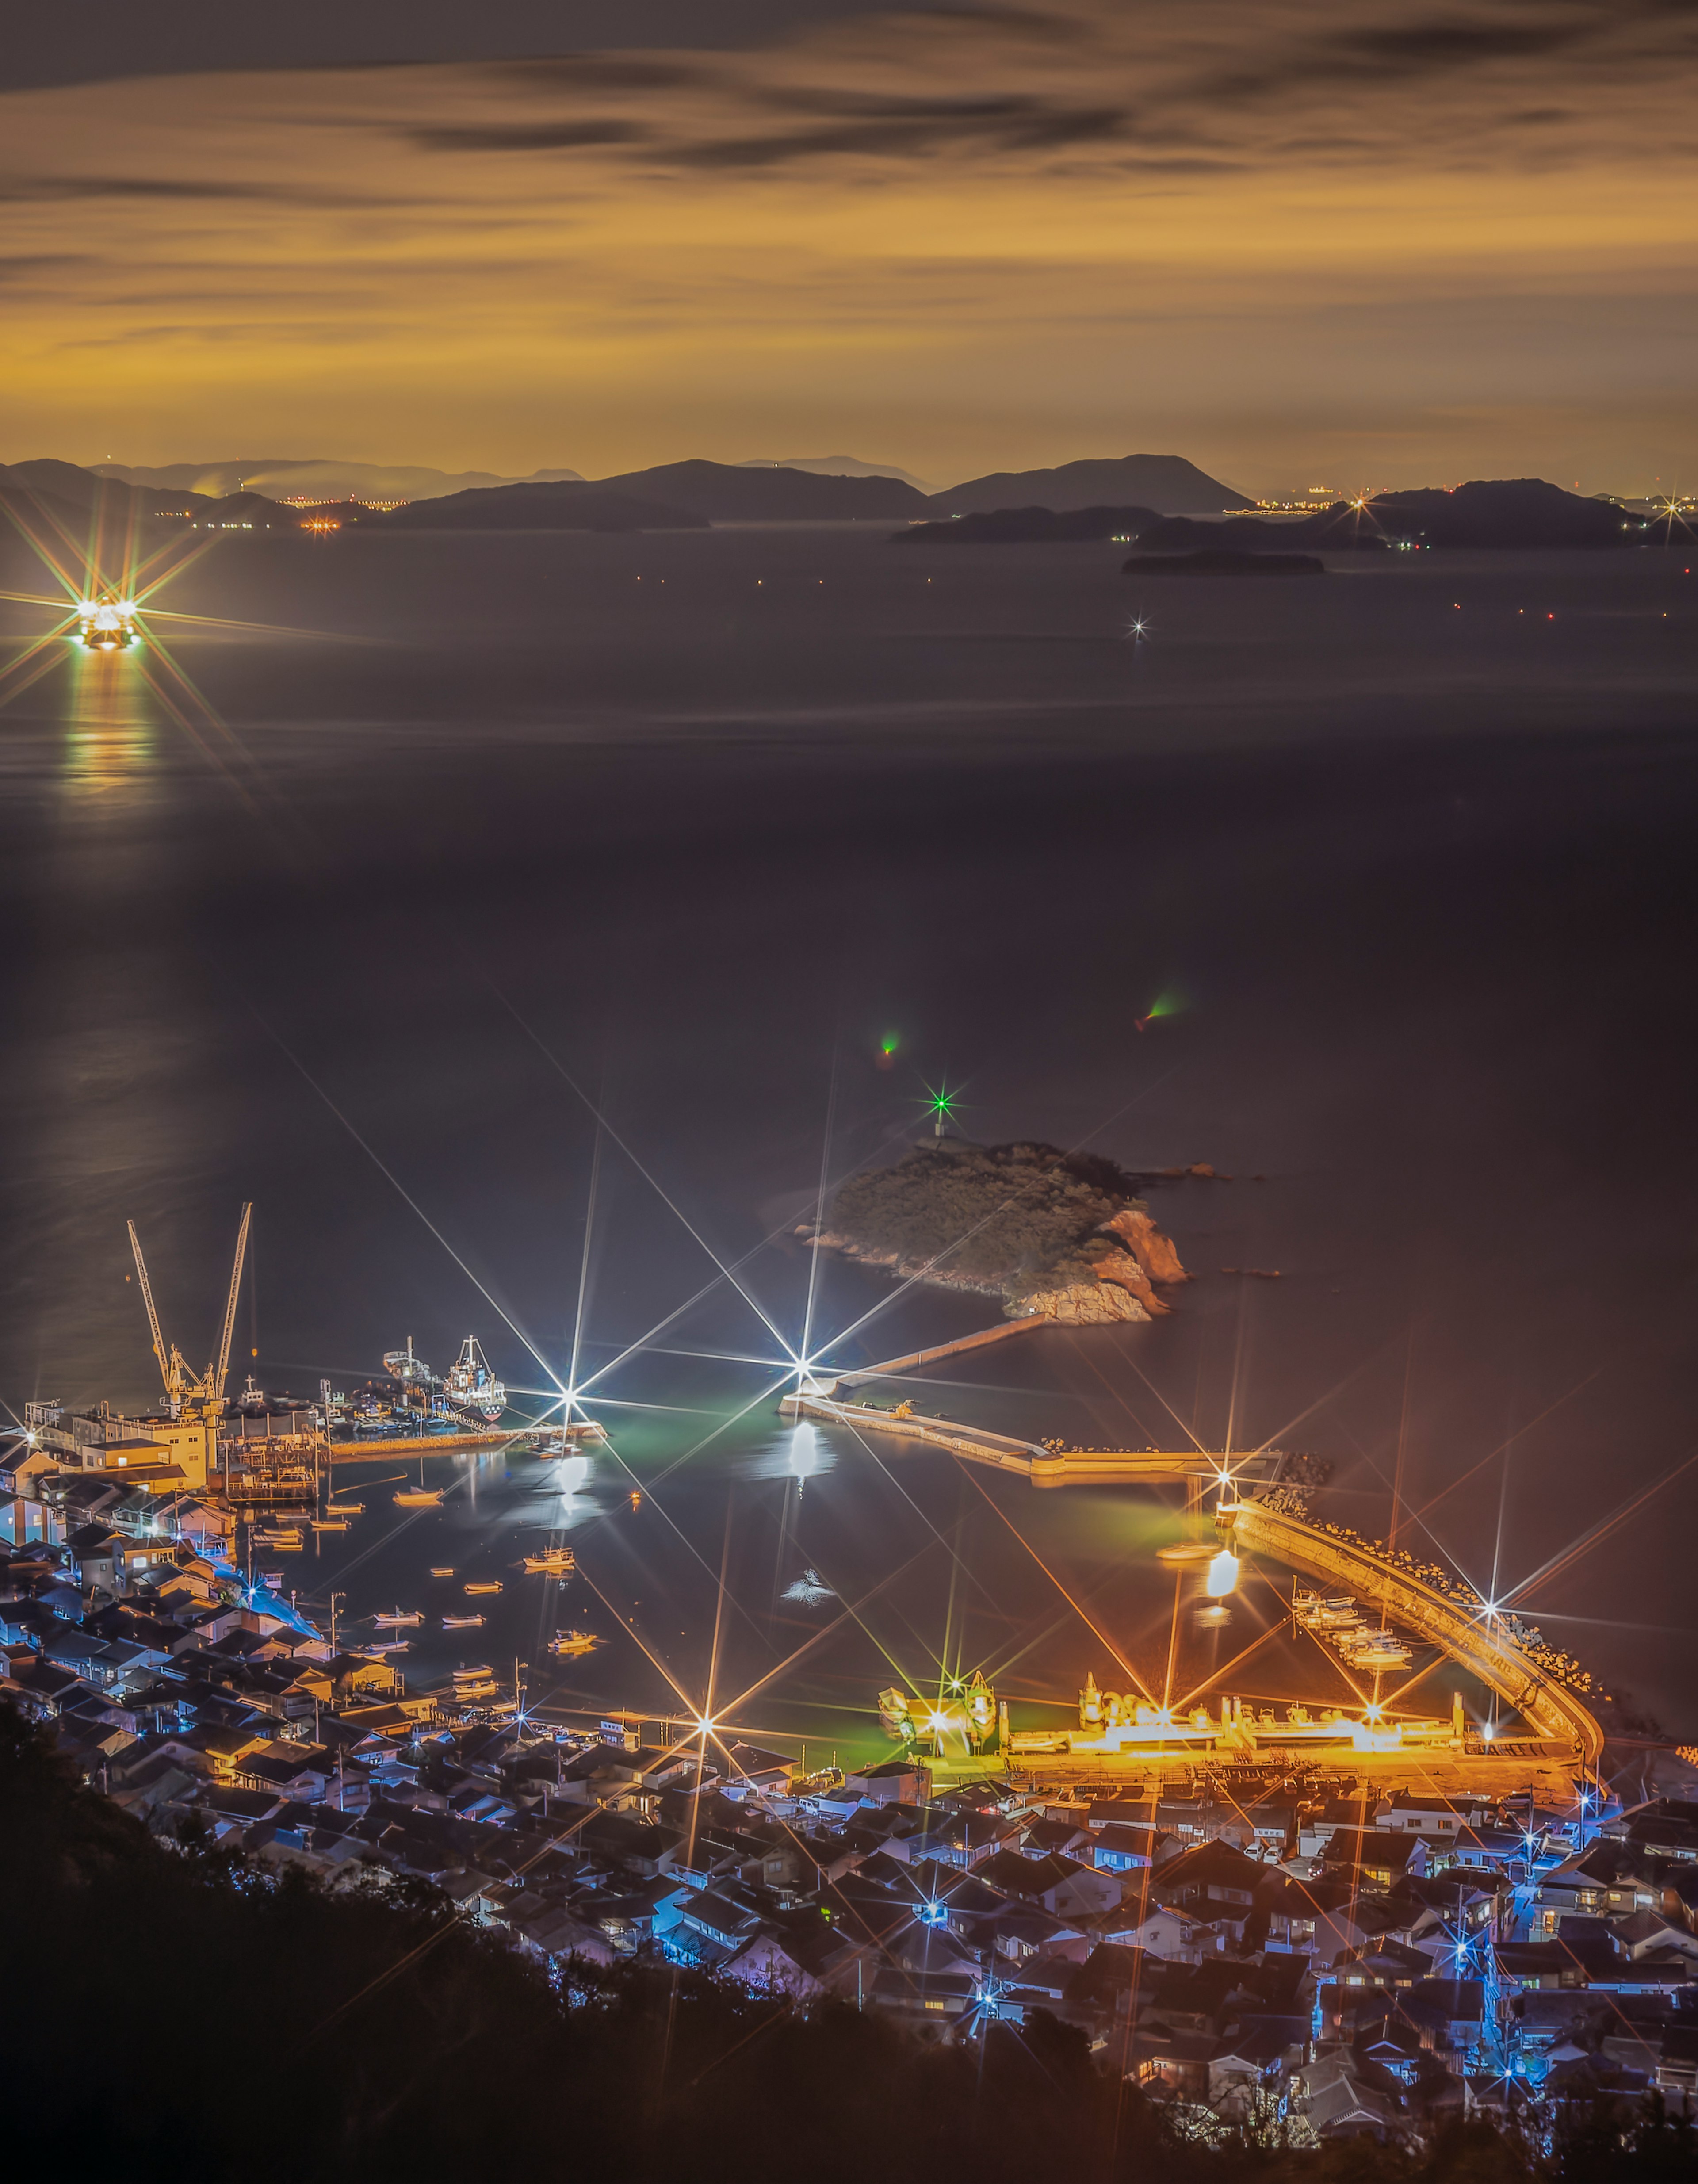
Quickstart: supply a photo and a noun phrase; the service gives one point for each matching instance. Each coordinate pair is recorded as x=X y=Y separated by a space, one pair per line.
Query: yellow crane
x=190 y=1394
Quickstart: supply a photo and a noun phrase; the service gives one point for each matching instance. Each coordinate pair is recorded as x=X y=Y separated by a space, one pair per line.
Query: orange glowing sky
x=1298 y=241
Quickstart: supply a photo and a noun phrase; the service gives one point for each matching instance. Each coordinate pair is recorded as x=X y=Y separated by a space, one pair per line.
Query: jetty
x=1473 y=1636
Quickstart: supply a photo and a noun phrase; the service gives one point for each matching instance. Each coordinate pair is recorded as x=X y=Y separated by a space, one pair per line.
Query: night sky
x=1302 y=242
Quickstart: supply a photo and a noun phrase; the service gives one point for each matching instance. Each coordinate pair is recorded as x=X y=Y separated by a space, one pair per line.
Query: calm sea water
x=360 y=920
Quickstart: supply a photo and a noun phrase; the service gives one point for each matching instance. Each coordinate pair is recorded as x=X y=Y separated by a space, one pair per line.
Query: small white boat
x=399 y=1618
x=567 y=1643
x=482 y=1673
x=329 y=1523
x=463 y=1623
x=558 y=1562
x=344 y=1509
x=438 y=1572
x=1187 y=1551
x=382 y=1648
x=419 y=1497
x=485 y=1585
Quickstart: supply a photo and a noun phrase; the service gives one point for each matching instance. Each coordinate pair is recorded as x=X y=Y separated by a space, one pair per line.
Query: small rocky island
x=1063 y=1234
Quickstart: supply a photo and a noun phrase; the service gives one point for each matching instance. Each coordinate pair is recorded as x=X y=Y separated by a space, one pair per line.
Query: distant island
x=562 y=506
x=1222 y=562
x=1166 y=483
x=1029 y=526
x=1062 y=1233
x=1486 y=513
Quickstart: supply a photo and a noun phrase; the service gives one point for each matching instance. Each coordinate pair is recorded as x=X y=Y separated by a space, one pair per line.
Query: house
x=1344 y=2096
x=1440 y=1819
x=934 y=2002
x=748 y=1770
x=1213 y=1881
x=896 y=1782
x=1377 y=1855
x=1115 y=1847
x=1060 y=1885
x=1250 y=2060
x=1154 y=1929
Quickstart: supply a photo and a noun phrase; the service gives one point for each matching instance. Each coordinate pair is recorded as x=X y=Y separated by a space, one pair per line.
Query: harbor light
x=1223 y=1574
x=704 y=1726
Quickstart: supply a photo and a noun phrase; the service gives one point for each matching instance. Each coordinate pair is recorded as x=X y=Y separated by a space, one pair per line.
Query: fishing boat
x=344 y=1509
x=469 y=1693
x=398 y=1619
x=462 y=1622
x=566 y=1643
x=1187 y=1551
x=420 y=1497
x=438 y=1570
x=472 y=1388
x=482 y=1673
x=485 y=1585
x=328 y=1524
x=558 y=1562
x=106 y=625
x=379 y=1649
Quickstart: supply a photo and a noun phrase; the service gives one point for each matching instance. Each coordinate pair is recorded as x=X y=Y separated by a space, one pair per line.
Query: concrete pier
x=1197 y=1469
x=1480 y=1643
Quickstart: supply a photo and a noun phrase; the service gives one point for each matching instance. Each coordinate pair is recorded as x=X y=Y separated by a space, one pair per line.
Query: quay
x=1196 y=1469
x=1475 y=1638
x=824 y=1398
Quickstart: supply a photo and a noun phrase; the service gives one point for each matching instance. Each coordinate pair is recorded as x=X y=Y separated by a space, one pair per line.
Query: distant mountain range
x=316 y=478
x=762 y=489
x=70 y=486
x=836 y=466
x=1009 y=506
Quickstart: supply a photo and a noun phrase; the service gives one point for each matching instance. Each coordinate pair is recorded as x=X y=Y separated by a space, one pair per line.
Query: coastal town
x=1305 y=1941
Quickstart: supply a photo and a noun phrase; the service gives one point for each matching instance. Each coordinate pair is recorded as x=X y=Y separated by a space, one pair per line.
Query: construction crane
x=199 y=1394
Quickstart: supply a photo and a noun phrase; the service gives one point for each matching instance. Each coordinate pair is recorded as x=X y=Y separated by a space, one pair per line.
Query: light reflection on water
x=109 y=732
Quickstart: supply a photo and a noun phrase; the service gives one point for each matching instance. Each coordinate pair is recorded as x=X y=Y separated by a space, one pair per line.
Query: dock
x=1479 y=1642
x=1197 y=1470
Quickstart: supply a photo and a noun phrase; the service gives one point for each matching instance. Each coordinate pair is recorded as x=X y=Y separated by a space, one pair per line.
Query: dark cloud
x=596 y=72
x=21 y=265
x=71 y=186
x=520 y=137
x=1009 y=126
x=1422 y=47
